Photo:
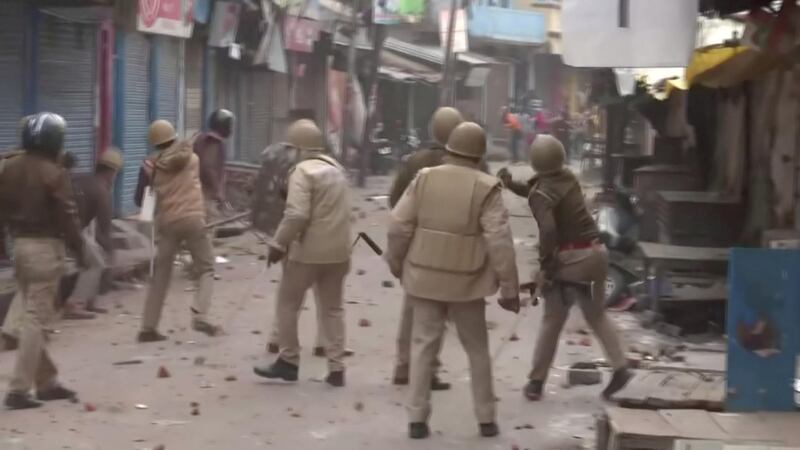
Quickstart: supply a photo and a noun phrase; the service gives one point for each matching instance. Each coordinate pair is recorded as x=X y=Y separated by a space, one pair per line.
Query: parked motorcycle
x=617 y=216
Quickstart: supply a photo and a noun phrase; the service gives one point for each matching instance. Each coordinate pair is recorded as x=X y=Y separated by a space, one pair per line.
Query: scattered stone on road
x=231 y=378
x=359 y=406
x=364 y=323
x=584 y=373
x=199 y=361
x=388 y=284
x=163 y=372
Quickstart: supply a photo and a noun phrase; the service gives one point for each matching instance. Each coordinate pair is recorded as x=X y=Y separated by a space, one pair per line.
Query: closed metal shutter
x=67 y=71
x=227 y=89
x=166 y=79
x=133 y=113
x=255 y=120
x=280 y=106
x=194 y=87
x=12 y=45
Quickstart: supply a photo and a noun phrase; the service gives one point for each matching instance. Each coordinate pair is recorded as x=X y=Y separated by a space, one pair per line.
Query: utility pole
x=352 y=78
x=372 y=99
x=445 y=99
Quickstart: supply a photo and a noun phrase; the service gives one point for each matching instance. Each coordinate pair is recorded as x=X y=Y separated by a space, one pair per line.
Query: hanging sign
x=392 y=12
x=224 y=24
x=164 y=17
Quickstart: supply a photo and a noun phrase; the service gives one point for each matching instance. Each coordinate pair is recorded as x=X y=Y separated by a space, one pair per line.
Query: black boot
x=489 y=429
x=335 y=379
x=279 y=369
x=533 y=390
x=56 y=392
x=18 y=400
x=150 y=336
x=418 y=430
x=439 y=385
x=618 y=381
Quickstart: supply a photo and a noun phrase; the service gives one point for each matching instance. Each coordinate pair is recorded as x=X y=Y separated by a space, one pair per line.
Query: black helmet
x=44 y=133
x=221 y=121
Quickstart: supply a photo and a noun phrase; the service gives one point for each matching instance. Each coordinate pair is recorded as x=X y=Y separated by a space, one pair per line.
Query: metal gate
x=165 y=89
x=255 y=87
x=132 y=114
x=194 y=87
x=66 y=79
x=12 y=46
x=227 y=90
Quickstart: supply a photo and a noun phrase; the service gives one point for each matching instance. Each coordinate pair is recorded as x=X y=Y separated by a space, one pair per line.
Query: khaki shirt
x=500 y=272
x=316 y=223
x=175 y=176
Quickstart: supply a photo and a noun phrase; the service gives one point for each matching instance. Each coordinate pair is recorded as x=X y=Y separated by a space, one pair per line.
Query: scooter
x=617 y=216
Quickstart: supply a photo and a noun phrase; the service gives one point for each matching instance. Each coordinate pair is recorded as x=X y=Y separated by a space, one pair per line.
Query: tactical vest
x=574 y=224
x=448 y=237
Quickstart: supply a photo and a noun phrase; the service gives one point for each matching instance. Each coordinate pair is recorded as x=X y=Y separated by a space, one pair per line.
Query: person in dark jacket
x=37 y=204
x=210 y=148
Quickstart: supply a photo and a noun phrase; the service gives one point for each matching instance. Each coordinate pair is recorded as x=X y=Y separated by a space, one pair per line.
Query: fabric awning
x=432 y=53
x=396 y=67
x=725 y=66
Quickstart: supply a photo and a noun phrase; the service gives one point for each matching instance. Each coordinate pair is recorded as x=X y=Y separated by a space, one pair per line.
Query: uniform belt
x=578 y=245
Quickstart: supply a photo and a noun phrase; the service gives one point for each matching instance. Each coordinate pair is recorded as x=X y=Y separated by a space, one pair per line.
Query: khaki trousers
x=274 y=335
x=429 y=324
x=88 y=284
x=403 y=358
x=328 y=279
x=588 y=265
x=86 y=288
x=191 y=233
x=38 y=264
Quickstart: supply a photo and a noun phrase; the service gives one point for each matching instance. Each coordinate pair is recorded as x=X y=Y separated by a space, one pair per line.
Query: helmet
x=547 y=154
x=161 y=132
x=44 y=133
x=305 y=135
x=468 y=140
x=111 y=158
x=443 y=122
x=221 y=121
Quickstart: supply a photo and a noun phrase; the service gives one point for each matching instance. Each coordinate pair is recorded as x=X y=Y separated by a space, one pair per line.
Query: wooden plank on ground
x=636 y=393
x=694 y=424
x=675 y=392
x=711 y=394
x=638 y=429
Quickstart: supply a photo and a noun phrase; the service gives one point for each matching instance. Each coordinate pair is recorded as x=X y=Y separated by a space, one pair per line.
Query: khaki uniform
x=570 y=251
x=319 y=342
x=450 y=259
x=37 y=204
x=180 y=221
x=420 y=159
x=315 y=233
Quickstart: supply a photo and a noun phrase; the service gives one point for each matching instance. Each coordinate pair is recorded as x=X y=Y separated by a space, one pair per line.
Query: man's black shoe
x=618 y=381
x=55 y=393
x=533 y=390
x=336 y=379
x=16 y=400
x=418 y=430
x=439 y=385
x=489 y=429
x=279 y=369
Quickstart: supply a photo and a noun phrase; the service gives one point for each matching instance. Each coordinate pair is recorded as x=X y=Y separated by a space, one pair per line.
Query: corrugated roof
x=403 y=69
x=432 y=53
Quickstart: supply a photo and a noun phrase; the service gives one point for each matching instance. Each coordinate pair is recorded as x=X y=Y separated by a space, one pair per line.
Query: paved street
x=238 y=410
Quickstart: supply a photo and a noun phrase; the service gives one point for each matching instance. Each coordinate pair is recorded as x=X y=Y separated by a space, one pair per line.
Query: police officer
x=210 y=148
x=444 y=120
x=314 y=238
x=450 y=243
x=174 y=174
x=574 y=262
x=37 y=205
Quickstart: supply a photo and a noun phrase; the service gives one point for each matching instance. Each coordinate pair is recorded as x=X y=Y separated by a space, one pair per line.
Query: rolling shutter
x=166 y=79
x=133 y=113
x=194 y=87
x=12 y=45
x=255 y=120
x=67 y=72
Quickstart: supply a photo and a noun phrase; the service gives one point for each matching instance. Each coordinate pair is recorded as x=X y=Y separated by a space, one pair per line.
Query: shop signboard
x=164 y=17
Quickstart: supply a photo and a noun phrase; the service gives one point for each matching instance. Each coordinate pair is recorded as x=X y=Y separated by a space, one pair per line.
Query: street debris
x=128 y=362
x=231 y=378
x=140 y=406
x=364 y=323
x=89 y=407
x=360 y=272
x=168 y=422
x=387 y=284
x=199 y=360
x=526 y=426
x=221 y=260
x=585 y=342
x=359 y=406
x=255 y=332
x=206 y=385
x=159 y=447
x=513 y=338
x=163 y=372
x=584 y=373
